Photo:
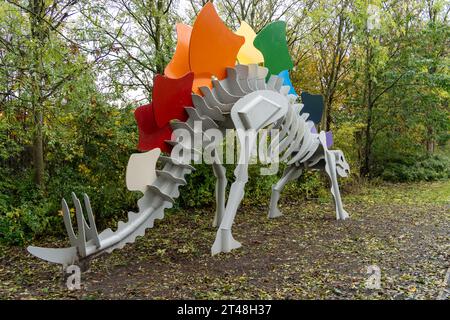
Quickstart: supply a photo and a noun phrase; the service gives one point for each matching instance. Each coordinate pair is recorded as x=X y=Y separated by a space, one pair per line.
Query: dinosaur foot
x=274 y=213
x=224 y=242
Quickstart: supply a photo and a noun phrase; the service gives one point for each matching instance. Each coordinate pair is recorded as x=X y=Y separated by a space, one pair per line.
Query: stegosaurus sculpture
x=204 y=92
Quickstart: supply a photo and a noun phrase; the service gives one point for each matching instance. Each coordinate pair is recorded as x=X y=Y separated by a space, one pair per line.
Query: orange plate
x=212 y=48
x=179 y=65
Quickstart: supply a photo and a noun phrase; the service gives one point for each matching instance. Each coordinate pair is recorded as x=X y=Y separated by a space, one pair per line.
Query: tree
x=137 y=36
x=434 y=52
x=37 y=64
x=393 y=94
x=257 y=13
x=327 y=55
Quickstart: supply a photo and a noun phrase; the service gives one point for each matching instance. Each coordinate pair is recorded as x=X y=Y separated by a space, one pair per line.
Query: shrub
x=410 y=169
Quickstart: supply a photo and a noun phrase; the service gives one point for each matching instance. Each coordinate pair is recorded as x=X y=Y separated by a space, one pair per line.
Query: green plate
x=271 y=41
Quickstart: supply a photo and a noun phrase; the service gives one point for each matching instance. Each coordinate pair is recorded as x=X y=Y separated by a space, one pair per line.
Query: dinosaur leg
x=221 y=185
x=224 y=239
x=330 y=168
x=290 y=173
x=247 y=118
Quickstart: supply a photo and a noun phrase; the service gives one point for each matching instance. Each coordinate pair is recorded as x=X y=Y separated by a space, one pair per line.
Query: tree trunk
x=39 y=35
x=430 y=141
x=325 y=122
x=333 y=78
x=328 y=113
x=365 y=167
x=38 y=152
x=160 y=63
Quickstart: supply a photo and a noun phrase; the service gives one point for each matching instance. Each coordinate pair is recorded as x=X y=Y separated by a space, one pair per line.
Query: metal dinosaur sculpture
x=205 y=92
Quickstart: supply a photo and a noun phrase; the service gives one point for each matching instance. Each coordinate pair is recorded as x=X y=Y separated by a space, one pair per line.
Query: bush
x=91 y=159
x=410 y=169
x=23 y=223
x=200 y=188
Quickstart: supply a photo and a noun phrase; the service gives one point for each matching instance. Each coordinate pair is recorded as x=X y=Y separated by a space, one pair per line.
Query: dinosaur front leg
x=221 y=185
x=330 y=168
x=224 y=239
x=290 y=173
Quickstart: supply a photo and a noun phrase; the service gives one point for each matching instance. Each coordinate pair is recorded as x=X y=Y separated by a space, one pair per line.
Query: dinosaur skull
x=342 y=167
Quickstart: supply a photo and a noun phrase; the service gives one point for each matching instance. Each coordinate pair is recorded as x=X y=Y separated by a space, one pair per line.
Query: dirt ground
x=402 y=229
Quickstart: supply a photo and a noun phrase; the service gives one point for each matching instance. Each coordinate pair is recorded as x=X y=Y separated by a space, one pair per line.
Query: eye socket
x=342 y=158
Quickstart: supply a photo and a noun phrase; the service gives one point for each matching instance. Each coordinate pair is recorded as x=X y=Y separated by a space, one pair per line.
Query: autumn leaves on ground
x=306 y=254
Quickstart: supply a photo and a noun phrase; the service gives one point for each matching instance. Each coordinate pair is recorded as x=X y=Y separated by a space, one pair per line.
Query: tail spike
x=81 y=222
x=92 y=233
x=68 y=223
x=86 y=231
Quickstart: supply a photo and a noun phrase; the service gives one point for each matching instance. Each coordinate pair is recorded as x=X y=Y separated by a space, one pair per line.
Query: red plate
x=170 y=97
x=150 y=135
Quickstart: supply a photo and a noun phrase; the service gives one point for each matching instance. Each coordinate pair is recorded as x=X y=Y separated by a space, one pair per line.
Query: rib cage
x=295 y=142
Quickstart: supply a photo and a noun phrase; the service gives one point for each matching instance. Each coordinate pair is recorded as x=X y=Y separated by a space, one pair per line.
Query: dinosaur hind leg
x=224 y=239
x=290 y=173
x=221 y=185
x=330 y=168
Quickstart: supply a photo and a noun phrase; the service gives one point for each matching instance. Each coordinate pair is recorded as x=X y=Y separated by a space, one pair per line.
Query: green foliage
x=199 y=190
x=258 y=187
x=93 y=161
x=310 y=185
x=22 y=214
x=429 y=168
x=345 y=139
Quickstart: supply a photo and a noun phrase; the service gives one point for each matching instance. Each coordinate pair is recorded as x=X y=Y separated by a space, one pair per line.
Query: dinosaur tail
x=88 y=243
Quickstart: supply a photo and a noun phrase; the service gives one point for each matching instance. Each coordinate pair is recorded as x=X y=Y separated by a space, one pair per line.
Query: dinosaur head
x=342 y=167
